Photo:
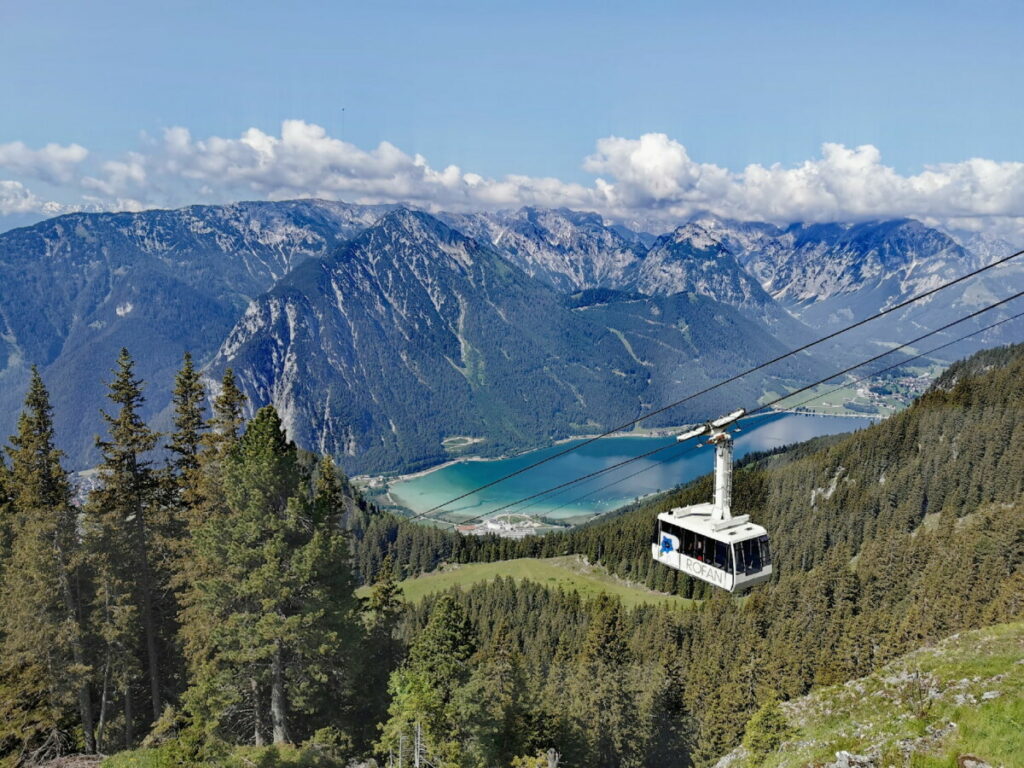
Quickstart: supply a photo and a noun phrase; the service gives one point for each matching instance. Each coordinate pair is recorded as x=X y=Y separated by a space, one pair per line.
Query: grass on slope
x=963 y=696
x=569 y=573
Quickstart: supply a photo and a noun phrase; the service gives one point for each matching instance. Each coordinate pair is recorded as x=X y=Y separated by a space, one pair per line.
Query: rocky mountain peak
x=699 y=237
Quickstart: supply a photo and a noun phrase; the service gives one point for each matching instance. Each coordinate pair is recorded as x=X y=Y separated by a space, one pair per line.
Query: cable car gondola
x=705 y=541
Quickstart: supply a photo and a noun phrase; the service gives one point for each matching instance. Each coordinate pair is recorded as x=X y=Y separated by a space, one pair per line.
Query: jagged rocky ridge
x=413 y=332
x=76 y=288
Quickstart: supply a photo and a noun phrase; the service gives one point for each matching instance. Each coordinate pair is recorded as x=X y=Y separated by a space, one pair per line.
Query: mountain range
x=379 y=331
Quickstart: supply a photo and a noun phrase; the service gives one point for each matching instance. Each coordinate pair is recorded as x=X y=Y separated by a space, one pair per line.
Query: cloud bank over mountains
x=650 y=181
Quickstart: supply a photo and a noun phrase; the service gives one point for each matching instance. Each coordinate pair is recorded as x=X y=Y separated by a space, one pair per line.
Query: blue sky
x=514 y=88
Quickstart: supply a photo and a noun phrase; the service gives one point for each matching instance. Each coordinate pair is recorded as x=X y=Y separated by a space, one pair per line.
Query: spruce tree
x=6 y=513
x=382 y=651
x=228 y=410
x=186 y=441
x=766 y=730
x=125 y=518
x=600 y=698
x=220 y=438
x=269 y=618
x=424 y=689
x=44 y=672
x=495 y=704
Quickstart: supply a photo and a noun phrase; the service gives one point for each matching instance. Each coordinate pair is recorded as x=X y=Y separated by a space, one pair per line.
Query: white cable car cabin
x=705 y=541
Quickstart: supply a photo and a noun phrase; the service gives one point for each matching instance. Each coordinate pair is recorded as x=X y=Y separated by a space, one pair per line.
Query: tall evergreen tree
x=6 y=513
x=186 y=441
x=269 y=617
x=44 y=672
x=220 y=438
x=600 y=697
x=496 y=705
x=424 y=689
x=228 y=409
x=125 y=518
x=382 y=650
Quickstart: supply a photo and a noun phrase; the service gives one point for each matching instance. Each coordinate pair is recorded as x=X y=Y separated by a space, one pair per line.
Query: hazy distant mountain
x=413 y=332
x=413 y=342
x=76 y=288
x=694 y=259
x=577 y=251
x=829 y=275
x=568 y=250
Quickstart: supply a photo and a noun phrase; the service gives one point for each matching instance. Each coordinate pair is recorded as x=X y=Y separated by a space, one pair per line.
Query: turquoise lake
x=678 y=463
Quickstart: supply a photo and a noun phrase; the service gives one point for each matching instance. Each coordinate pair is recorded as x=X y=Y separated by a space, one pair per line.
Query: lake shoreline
x=387 y=480
x=640 y=433
x=425 y=489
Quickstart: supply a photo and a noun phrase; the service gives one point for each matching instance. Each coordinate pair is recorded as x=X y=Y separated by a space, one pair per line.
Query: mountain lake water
x=677 y=464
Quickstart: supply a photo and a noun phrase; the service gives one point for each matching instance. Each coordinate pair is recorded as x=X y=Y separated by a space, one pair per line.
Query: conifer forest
x=196 y=605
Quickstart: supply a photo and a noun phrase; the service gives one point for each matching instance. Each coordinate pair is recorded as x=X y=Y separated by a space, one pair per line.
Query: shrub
x=766 y=730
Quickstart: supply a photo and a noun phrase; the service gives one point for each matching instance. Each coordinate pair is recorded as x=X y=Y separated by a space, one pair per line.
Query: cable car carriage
x=705 y=541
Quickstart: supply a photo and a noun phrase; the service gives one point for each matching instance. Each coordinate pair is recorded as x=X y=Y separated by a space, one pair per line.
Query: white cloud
x=119 y=175
x=15 y=198
x=54 y=164
x=650 y=179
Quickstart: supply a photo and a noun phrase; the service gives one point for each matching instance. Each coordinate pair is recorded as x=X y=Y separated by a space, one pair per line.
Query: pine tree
x=423 y=690
x=268 y=621
x=600 y=697
x=495 y=705
x=186 y=440
x=220 y=438
x=228 y=410
x=383 y=649
x=124 y=518
x=766 y=730
x=6 y=513
x=664 y=711
x=44 y=672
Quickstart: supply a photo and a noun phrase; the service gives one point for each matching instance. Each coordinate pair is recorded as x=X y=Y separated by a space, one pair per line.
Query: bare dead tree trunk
x=105 y=693
x=104 y=702
x=277 y=698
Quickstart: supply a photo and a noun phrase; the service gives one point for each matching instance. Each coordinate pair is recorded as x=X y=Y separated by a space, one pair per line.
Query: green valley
x=569 y=573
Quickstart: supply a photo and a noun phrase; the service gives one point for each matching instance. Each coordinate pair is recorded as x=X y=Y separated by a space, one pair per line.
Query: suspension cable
x=810 y=399
x=731 y=379
x=753 y=411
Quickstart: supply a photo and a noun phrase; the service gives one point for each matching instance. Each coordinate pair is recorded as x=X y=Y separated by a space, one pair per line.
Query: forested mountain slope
x=210 y=603
x=957 y=448
x=413 y=332
x=887 y=539
x=77 y=288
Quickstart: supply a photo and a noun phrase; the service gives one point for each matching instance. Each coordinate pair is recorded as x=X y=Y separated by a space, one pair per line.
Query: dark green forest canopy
x=921 y=536
x=205 y=605
x=956 y=448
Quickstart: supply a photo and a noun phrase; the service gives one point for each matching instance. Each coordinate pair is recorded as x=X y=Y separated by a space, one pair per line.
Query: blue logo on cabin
x=666 y=545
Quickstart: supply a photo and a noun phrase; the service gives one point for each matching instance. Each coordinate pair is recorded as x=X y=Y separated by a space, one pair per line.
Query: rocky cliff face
x=953 y=703
x=75 y=289
x=568 y=250
x=413 y=332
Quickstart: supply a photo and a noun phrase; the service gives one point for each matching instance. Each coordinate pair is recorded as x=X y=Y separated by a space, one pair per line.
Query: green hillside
x=886 y=540
x=964 y=695
x=568 y=573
